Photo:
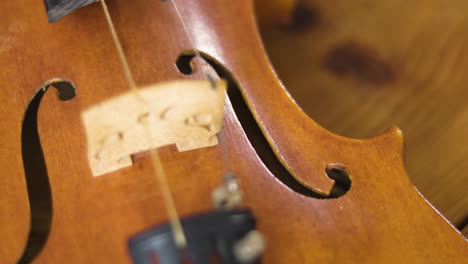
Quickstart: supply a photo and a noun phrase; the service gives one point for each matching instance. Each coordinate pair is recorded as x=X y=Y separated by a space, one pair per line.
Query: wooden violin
x=271 y=186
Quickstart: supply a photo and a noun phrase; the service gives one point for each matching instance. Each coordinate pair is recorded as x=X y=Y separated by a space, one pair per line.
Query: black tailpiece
x=210 y=240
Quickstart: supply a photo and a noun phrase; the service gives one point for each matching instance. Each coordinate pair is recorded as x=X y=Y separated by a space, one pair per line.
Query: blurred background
x=359 y=67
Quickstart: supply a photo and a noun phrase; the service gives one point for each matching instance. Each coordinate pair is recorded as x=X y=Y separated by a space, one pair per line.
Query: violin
x=172 y=140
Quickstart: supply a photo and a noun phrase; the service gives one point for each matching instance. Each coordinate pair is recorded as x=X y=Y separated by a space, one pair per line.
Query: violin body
x=380 y=219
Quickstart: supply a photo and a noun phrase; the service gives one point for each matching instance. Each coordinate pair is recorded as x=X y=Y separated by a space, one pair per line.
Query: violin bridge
x=187 y=113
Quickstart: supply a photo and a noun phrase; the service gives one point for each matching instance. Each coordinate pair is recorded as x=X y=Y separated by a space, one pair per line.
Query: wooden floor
x=359 y=67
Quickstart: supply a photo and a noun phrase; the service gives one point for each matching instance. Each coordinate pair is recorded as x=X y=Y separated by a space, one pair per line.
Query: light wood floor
x=358 y=67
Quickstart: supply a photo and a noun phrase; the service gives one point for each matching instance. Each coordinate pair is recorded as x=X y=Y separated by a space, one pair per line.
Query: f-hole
x=337 y=172
x=184 y=64
x=35 y=169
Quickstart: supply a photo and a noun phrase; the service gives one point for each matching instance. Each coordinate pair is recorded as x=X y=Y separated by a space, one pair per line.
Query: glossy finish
x=382 y=219
x=358 y=68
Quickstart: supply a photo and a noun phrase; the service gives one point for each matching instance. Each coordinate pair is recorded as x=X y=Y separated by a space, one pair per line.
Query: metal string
x=221 y=139
x=192 y=43
x=176 y=226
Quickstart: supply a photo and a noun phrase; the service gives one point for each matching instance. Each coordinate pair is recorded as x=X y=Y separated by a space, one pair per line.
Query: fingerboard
x=57 y=9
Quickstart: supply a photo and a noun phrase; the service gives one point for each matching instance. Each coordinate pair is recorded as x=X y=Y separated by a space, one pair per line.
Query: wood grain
x=381 y=219
x=274 y=12
x=358 y=68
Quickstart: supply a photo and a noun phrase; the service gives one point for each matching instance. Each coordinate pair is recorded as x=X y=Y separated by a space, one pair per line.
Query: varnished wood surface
x=382 y=219
x=359 y=68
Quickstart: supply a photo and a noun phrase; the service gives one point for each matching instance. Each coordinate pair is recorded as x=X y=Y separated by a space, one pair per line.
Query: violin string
x=223 y=150
x=192 y=43
x=176 y=226
x=118 y=46
x=224 y=155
